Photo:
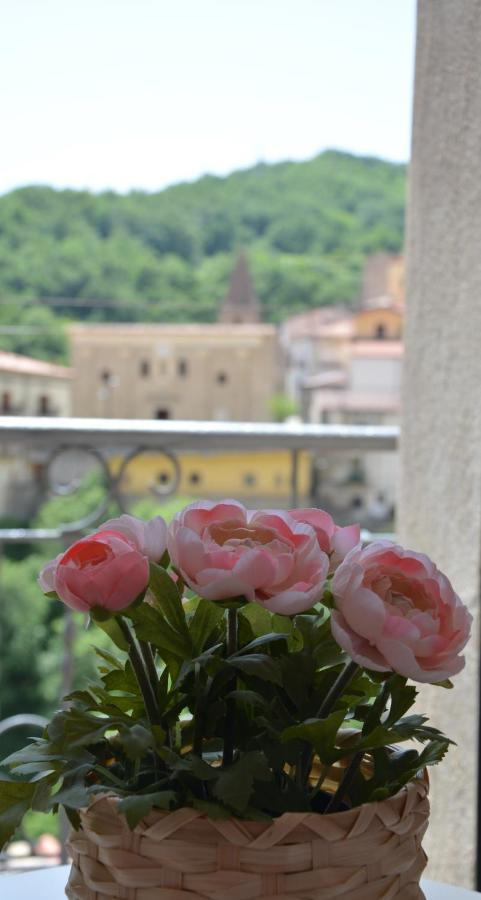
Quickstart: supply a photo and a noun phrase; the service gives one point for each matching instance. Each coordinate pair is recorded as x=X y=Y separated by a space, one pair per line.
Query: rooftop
x=26 y=365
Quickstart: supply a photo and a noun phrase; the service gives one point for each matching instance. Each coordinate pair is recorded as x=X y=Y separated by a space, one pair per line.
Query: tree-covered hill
x=307 y=226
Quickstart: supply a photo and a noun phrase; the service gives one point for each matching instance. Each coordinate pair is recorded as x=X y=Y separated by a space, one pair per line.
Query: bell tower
x=241 y=306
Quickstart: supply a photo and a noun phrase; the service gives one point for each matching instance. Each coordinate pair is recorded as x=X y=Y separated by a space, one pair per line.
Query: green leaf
x=74 y=796
x=16 y=798
x=167 y=596
x=136 y=808
x=234 y=784
x=251 y=698
x=112 y=628
x=270 y=638
x=73 y=728
x=320 y=733
x=135 y=741
x=190 y=763
x=283 y=625
x=434 y=752
x=150 y=625
x=259 y=619
x=113 y=661
x=257 y=665
x=211 y=809
x=447 y=683
x=208 y=616
x=402 y=698
x=122 y=679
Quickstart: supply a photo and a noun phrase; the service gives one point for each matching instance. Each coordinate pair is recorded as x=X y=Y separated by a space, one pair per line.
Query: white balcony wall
x=440 y=497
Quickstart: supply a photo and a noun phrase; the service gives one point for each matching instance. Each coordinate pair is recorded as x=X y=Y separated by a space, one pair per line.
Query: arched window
x=380 y=332
x=182 y=368
x=144 y=368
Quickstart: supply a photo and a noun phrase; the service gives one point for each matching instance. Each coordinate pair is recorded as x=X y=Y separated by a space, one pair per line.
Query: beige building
x=32 y=387
x=225 y=371
x=343 y=367
x=222 y=372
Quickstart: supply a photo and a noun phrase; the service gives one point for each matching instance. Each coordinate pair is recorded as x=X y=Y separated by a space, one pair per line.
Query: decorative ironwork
x=66 y=451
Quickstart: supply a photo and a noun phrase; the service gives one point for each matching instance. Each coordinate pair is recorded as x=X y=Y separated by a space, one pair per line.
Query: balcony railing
x=46 y=441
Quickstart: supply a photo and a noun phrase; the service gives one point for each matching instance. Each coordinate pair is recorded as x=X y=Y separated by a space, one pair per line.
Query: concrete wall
x=440 y=497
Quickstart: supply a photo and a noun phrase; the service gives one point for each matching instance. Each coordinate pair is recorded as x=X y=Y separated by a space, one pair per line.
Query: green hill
x=307 y=226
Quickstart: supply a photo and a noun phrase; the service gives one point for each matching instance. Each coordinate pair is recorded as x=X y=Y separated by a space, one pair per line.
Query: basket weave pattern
x=372 y=852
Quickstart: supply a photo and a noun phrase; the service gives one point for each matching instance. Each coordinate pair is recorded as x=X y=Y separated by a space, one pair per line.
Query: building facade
x=210 y=372
x=225 y=371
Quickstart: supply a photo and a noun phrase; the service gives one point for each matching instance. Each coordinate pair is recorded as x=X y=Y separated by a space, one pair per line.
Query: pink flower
x=332 y=539
x=394 y=610
x=108 y=569
x=222 y=552
x=150 y=538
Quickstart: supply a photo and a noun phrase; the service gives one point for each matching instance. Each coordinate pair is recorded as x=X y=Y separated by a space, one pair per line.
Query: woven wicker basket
x=368 y=853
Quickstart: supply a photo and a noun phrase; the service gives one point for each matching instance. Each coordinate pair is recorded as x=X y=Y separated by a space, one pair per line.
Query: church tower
x=241 y=306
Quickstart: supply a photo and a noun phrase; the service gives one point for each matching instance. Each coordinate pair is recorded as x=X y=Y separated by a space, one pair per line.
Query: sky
x=139 y=94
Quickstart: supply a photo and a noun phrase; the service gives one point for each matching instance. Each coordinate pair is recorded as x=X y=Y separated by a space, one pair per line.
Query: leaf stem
x=307 y=755
x=232 y=634
x=146 y=688
x=373 y=718
x=198 y=715
x=337 y=690
x=149 y=662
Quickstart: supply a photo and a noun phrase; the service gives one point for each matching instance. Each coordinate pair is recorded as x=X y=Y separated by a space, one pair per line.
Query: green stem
x=337 y=690
x=230 y=715
x=326 y=707
x=149 y=662
x=145 y=686
x=373 y=718
x=198 y=716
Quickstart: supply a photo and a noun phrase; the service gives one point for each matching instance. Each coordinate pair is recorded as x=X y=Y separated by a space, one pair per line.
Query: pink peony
x=332 y=539
x=222 y=552
x=394 y=610
x=150 y=538
x=108 y=569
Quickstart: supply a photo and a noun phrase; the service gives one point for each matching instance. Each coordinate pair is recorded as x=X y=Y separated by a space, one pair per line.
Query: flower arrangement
x=253 y=652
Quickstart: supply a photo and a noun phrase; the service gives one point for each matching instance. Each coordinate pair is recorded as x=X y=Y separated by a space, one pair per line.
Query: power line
x=77 y=301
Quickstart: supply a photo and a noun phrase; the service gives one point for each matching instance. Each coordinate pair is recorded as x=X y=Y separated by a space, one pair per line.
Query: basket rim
x=419 y=784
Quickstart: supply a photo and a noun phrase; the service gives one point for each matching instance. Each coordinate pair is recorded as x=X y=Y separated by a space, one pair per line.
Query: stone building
x=225 y=371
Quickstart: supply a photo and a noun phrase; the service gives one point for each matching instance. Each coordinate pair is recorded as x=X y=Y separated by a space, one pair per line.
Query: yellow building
x=258 y=476
x=378 y=323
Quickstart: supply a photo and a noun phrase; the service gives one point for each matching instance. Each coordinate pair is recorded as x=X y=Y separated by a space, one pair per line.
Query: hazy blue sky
x=141 y=93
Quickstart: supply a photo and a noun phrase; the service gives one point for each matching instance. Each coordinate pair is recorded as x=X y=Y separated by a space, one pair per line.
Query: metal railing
x=47 y=441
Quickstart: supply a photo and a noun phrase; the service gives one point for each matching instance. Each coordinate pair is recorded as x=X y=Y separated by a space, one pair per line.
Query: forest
x=167 y=256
